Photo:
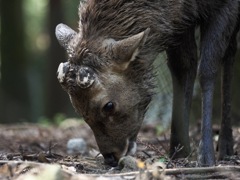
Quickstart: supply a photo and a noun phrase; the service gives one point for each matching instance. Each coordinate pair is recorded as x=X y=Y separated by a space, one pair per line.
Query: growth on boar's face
x=99 y=78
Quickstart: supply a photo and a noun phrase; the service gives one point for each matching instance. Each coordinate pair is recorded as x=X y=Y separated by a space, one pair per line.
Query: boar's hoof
x=110 y=160
x=62 y=69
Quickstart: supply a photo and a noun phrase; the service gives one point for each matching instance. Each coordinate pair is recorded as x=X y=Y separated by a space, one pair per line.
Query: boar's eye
x=109 y=108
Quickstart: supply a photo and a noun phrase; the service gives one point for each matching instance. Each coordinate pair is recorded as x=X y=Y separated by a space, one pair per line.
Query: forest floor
x=33 y=151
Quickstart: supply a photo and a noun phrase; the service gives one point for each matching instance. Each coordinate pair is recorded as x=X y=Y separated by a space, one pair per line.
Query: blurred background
x=30 y=55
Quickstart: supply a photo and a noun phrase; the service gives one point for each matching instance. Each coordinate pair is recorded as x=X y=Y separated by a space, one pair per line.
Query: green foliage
x=56 y=120
x=70 y=9
x=163 y=159
x=160 y=129
x=35 y=21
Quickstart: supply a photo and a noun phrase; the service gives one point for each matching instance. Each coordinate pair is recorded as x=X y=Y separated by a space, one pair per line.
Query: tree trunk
x=14 y=100
x=56 y=99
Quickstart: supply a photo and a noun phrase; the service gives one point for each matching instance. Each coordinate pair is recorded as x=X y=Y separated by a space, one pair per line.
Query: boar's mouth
x=112 y=159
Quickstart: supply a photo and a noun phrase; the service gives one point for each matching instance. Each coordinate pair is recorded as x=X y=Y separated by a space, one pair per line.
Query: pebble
x=127 y=164
x=76 y=146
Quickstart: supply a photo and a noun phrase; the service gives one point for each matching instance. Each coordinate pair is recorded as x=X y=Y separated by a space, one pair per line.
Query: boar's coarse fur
x=109 y=74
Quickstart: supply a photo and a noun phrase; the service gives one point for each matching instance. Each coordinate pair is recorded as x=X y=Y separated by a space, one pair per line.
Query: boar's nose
x=110 y=159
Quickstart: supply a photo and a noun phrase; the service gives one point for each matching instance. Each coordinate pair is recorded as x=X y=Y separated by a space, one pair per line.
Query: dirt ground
x=31 y=151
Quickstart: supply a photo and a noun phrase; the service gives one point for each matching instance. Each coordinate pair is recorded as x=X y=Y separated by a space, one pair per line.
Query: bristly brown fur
x=115 y=19
x=102 y=19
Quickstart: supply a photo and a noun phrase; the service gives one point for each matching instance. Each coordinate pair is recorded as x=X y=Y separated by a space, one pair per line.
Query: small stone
x=128 y=163
x=76 y=146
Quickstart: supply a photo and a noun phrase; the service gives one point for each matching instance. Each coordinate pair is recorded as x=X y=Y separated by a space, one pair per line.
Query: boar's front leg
x=216 y=34
x=182 y=62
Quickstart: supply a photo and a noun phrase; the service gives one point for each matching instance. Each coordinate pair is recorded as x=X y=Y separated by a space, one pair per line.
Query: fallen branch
x=222 y=171
x=200 y=170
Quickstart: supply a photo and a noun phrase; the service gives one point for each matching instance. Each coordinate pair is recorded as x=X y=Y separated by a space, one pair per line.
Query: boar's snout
x=113 y=154
x=110 y=159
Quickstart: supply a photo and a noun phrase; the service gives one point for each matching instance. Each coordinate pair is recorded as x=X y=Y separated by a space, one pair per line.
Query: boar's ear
x=64 y=34
x=126 y=50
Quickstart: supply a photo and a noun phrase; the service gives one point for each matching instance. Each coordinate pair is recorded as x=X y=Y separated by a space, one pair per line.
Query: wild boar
x=109 y=72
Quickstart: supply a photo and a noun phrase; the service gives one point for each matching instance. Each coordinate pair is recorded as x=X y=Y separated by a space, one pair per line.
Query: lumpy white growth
x=61 y=73
x=86 y=82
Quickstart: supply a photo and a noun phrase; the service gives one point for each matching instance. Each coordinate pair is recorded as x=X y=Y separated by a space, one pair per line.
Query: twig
x=200 y=170
x=161 y=143
x=181 y=171
x=177 y=149
x=50 y=147
x=149 y=155
x=151 y=147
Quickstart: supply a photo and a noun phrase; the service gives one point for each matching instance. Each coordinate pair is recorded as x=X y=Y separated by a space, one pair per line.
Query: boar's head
x=109 y=85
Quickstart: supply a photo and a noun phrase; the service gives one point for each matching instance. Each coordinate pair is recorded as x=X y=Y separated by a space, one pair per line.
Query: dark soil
x=39 y=145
